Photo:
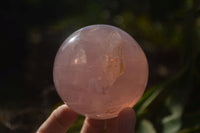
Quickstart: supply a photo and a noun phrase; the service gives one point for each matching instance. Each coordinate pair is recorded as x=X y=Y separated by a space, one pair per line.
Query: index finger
x=59 y=121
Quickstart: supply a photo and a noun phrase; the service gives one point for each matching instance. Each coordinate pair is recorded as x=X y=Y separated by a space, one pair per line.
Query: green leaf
x=146 y=127
x=172 y=123
x=147 y=99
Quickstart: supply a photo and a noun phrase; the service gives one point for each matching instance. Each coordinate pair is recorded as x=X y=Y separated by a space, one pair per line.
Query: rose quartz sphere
x=100 y=70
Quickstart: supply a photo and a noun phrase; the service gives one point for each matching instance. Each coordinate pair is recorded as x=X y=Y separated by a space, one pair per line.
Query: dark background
x=31 y=32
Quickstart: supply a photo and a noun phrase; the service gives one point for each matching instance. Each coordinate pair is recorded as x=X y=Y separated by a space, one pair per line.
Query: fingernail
x=127 y=121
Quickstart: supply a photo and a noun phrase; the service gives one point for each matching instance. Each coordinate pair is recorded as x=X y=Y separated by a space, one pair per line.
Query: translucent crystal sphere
x=99 y=70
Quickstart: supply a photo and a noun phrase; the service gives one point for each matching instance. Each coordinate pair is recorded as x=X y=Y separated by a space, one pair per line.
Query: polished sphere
x=99 y=70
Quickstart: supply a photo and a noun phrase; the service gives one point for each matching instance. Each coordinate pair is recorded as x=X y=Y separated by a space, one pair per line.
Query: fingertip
x=127 y=120
x=127 y=112
x=59 y=120
x=63 y=114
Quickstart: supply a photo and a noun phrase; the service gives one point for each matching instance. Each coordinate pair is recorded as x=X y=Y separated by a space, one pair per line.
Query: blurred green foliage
x=168 y=31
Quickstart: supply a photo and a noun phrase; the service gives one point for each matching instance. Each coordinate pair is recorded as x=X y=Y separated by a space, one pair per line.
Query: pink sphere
x=99 y=70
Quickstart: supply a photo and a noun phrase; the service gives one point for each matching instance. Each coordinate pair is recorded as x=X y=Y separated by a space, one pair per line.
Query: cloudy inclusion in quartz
x=99 y=70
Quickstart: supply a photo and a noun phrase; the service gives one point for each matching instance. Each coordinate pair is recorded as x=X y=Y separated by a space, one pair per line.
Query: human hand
x=63 y=117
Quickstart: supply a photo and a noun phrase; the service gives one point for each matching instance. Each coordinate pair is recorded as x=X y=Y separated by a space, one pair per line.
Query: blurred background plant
x=31 y=32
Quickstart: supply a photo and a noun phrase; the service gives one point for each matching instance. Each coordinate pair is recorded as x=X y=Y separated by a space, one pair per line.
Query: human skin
x=63 y=117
